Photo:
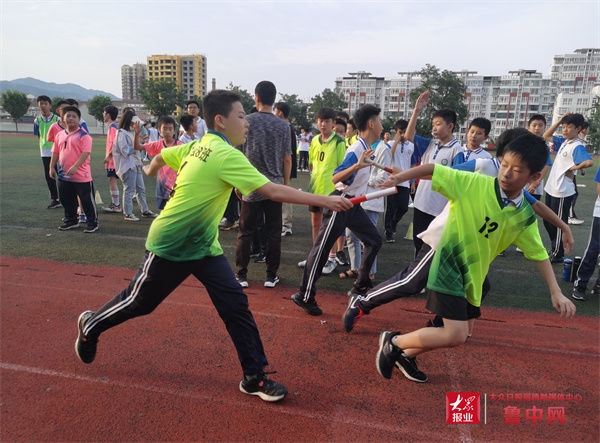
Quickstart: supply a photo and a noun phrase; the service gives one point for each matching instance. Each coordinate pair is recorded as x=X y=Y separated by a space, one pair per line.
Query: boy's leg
x=248 y=216
x=390 y=214
x=333 y=225
x=154 y=281
x=316 y=220
x=140 y=188
x=421 y=221
x=403 y=197
x=563 y=213
x=50 y=182
x=85 y=192
x=590 y=258
x=367 y=233
x=354 y=249
x=272 y=233
x=232 y=305
x=374 y=217
x=68 y=198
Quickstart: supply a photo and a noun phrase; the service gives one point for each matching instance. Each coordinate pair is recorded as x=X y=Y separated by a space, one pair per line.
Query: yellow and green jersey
x=479 y=227
x=351 y=140
x=188 y=226
x=325 y=157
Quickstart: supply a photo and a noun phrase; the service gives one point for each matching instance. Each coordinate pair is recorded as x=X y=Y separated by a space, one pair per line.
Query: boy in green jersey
x=486 y=215
x=183 y=239
x=41 y=126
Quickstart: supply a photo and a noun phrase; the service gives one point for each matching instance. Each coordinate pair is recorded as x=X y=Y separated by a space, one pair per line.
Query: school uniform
x=397 y=204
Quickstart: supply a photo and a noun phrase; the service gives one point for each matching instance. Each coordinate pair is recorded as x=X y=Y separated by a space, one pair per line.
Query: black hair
x=189 y=102
x=448 y=115
x=284 y=108
x=531 y=149
x=168 y=120
x=482 y=123
x=43 y=98
x=72 y=109
x=112 y=111
x=401 y=124
x=129 y=108
x=351 y=123
x=340 y=121
x=325 y=114
x=153 y=124
x=584 y=126
x=125 y=120
x=506 y=137
x=535 y=117
x=186 y=121
x=60 y=103
x=364 y=114
x=72 y=102
x=218 y=102
x=266 y=91
x=573 y=119
x=343 y=115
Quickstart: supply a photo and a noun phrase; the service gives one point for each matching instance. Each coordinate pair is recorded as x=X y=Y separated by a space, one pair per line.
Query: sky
x=302 y=46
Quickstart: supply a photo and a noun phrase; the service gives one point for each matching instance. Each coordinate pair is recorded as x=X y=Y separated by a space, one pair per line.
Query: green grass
x=29 y=229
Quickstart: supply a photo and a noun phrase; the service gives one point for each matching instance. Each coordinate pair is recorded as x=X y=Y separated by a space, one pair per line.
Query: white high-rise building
x=132 y=78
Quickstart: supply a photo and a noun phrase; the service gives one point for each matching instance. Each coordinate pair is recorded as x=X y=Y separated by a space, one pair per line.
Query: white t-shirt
x=402 y=158
x=202 y=128
x=571 y=153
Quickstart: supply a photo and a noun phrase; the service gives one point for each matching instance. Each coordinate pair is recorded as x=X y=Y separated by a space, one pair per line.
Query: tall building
x=508 y=100
x=132 y=78
x=188 y=71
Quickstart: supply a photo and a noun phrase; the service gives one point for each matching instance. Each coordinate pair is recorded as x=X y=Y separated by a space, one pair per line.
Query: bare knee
x=456 y=331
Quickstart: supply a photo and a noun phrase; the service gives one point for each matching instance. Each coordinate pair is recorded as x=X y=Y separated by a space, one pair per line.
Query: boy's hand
x=338 y=203
x=365 y=158
x=563 y=305
x=137 y=127
x=565 y=115
x=52 y=173
x=106 y=159
x=72 y=170
x=392 y=179
x=422 y=102
x=568 y=240
x=533 y=186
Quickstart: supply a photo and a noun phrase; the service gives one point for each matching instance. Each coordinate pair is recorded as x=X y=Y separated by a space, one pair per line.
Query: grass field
x=29 y=229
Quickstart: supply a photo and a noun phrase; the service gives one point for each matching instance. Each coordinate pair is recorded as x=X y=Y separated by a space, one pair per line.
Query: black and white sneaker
x=54 y=204
x=91 y=229
x=389 y=237
x=266 y=389
x=387 y=354
x=271 y=282
x=85 y=347
x=341 y=258
x=310 y=307
x=408 y=366
x=68 y=225
x=352 y=314
x=243 y=281
x=360 y=289
x=578 y=294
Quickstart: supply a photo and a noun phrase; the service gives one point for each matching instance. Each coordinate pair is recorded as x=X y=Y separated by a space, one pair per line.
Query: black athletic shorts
x=315 y=209
x=111 y=173
x=451 y=307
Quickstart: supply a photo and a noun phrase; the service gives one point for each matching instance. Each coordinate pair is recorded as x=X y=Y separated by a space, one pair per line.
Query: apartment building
x=188 y=71
x=132 y=78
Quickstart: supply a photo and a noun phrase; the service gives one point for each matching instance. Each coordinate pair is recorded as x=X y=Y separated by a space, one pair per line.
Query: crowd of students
x=233 y=169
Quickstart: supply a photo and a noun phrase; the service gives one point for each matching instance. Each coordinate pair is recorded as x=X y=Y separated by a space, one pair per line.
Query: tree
x=16 y=104
x=161 y=96
x=96 y=107
x=593 y=137
x=327 y=99
x=298 y=111
x=389 y=122
x=55 y=102
x=447 y=90
x=247 y=98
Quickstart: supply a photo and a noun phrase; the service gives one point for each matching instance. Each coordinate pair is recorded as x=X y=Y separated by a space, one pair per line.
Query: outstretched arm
x=282 y=193
x=561 y=303
x=157 y=162
x=400 y=176
x=420 y=104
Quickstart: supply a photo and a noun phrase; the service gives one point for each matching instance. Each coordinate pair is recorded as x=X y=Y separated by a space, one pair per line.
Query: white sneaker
x=270 y=283
x=285 y=231
x=242 y=281
x=411 y=205
x=302 y=264
x=131 y=217
x=575 y=221
x=518 y=249
x=329 y=267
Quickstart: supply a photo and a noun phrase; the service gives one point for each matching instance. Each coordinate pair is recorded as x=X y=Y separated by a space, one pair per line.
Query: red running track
x=174 y=375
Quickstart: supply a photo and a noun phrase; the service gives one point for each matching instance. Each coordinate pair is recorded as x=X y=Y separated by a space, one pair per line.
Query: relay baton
x=380 y=166
x=372 y=195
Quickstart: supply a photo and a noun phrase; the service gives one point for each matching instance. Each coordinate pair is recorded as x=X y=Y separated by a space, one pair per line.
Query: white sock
x=114 y=195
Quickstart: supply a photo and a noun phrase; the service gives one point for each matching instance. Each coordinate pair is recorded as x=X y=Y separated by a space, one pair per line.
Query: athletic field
x=173 y=375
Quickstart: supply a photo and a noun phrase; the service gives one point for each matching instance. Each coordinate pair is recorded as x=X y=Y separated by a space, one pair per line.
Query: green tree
x=247 y=98
x=55 y=101
x=96 y=107
x=161 y=96
x=389 y=122
x=593 y=136
x=16 y=104
x=298 y=111
x=327 y=99
x=447 y=90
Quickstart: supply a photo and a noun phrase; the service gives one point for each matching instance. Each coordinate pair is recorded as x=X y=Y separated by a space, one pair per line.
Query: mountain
x=36 y=87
